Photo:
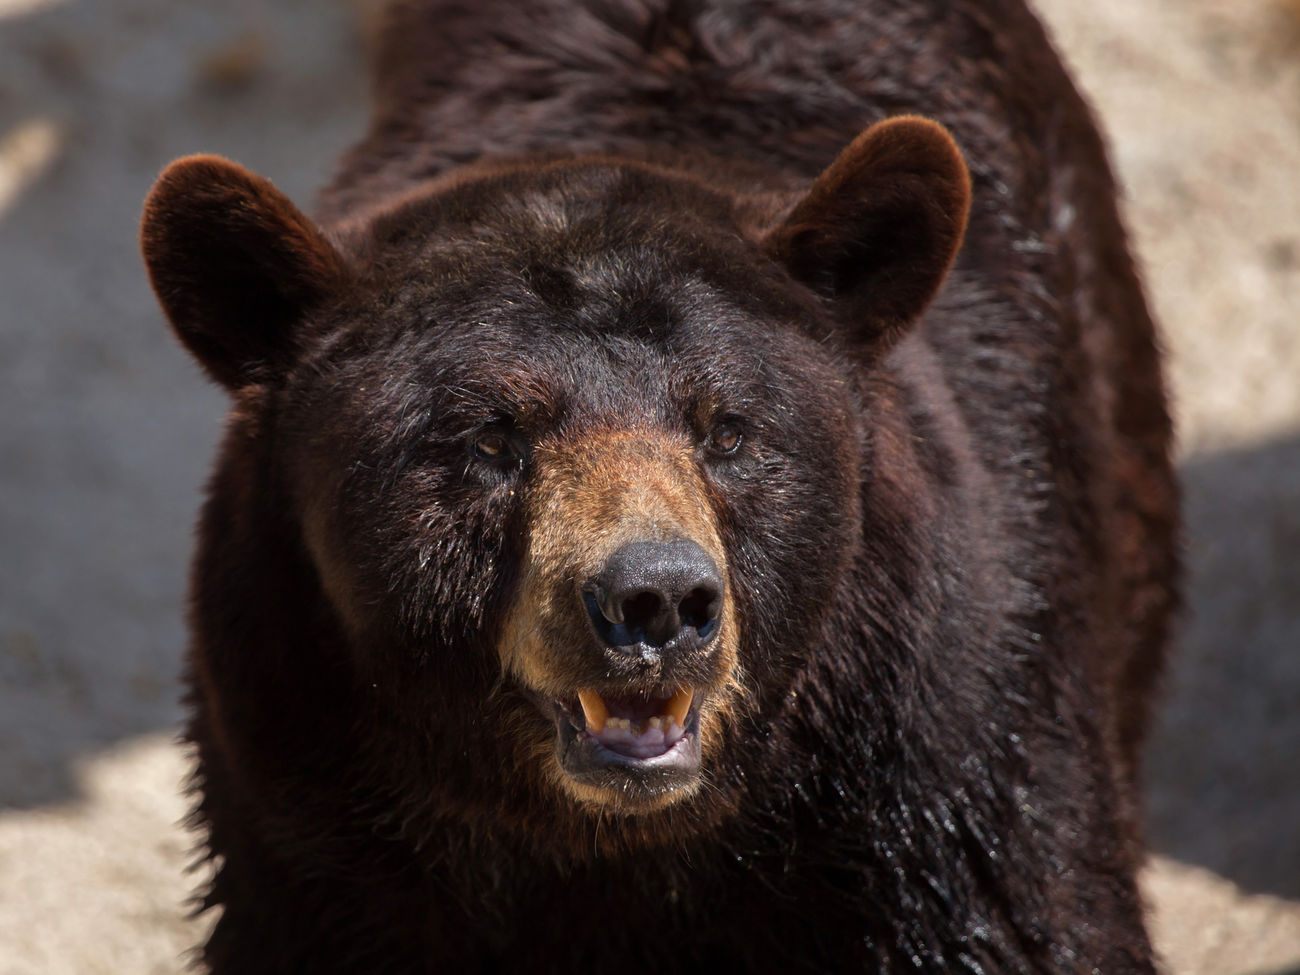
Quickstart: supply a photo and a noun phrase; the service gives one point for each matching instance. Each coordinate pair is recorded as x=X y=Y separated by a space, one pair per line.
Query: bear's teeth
x=594 y=710
x=679 y=705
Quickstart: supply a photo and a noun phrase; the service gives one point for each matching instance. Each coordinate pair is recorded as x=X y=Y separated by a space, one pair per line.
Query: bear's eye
x=725 y=438
x=493 y=445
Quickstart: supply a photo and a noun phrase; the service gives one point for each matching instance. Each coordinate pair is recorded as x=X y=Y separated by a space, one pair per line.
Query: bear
x=696 y=494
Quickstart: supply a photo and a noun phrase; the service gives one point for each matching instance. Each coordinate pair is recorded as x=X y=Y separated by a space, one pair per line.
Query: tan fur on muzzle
x=591 y=495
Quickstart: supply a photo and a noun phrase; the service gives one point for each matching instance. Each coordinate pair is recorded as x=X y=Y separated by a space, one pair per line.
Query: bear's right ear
x=235 y=266
x=879 y=229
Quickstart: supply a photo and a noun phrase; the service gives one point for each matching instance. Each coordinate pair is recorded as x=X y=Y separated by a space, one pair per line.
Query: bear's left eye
x=726 y=437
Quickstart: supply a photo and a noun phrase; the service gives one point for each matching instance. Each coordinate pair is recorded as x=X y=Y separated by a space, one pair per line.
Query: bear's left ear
x=235 y=266
x=879 y=229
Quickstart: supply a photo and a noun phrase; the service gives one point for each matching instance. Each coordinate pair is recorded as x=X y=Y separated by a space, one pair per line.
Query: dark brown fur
x=603 y=229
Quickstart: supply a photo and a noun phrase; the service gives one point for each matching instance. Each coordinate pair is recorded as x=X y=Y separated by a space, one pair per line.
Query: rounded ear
x=235 y=266
x=879 y=229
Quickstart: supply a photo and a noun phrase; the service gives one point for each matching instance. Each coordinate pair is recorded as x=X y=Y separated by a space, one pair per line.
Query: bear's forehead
x=507 y=347
x=598 y=227
x=534 y=361
x=607 y=285
x=616 y=248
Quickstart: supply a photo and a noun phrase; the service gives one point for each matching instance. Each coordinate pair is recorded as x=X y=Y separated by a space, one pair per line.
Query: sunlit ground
x=25 y=152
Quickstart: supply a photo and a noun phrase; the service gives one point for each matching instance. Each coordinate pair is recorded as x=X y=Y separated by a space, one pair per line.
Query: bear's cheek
x=794 y=529
x=410 y=555
x=623 y=628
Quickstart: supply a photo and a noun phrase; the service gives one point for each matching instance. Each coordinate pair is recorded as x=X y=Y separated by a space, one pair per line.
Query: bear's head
x=573 y=448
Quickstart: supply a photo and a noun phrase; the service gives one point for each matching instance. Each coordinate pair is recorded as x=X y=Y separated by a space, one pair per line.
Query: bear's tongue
x=636 y=727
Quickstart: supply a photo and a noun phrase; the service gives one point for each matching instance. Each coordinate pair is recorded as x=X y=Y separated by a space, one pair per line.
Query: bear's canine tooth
x=594 y=710
x=678 y=705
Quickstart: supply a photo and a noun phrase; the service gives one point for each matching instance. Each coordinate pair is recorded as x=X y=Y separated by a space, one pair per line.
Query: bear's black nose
x=656 y=593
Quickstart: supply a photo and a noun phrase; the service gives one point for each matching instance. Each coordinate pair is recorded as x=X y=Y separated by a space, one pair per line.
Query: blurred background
x=107 y=429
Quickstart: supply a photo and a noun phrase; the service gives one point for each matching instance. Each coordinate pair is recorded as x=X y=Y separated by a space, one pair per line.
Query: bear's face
x=574 y=447
x=590 y=455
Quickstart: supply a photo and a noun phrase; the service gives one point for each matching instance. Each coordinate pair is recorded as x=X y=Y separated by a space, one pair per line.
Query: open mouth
x=636 y=727
x=644 y=745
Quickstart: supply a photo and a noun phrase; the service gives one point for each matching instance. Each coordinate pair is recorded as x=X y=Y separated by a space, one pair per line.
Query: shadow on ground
x=1223 y=769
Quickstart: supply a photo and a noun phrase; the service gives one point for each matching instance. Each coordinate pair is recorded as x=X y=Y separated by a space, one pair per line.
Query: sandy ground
x=106 y=430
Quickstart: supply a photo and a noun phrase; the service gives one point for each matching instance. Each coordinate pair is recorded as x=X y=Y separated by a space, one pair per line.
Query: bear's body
x=584 y=332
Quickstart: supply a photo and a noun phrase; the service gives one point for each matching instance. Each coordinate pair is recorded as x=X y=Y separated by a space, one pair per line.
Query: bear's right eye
x=494 y=446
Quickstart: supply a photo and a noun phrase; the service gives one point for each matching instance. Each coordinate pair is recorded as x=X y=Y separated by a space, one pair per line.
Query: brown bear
x=678 y=511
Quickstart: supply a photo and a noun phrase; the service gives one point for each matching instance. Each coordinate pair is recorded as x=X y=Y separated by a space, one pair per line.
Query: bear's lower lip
x=643 y=756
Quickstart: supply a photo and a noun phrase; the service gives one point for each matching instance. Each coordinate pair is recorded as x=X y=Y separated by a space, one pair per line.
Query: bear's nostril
x=642 y=609
x=701 y=607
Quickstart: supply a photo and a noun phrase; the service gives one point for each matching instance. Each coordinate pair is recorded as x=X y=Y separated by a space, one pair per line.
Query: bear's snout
x=623 y=628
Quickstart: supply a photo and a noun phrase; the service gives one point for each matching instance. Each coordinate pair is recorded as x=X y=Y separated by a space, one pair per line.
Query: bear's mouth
x=644 y=744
